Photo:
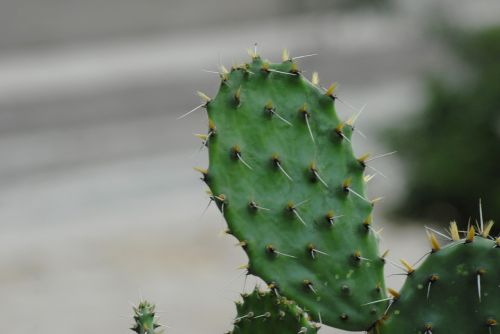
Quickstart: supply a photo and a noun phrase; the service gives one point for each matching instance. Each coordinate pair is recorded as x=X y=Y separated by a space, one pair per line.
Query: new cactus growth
x=283 y=173
x=145 y=319
x=455 y=290
x=267 y=312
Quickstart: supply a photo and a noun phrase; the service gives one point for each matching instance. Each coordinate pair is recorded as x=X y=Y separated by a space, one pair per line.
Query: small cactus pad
x=455 y=290
x=266 y=312
x=144 y=317
x=283 y=173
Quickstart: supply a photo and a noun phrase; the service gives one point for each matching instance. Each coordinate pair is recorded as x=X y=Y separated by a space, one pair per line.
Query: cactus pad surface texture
x=455 y=290
x=266 y=312
x=283 y=173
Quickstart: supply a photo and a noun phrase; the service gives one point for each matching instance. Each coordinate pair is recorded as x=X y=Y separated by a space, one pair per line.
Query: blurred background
x=99 y=204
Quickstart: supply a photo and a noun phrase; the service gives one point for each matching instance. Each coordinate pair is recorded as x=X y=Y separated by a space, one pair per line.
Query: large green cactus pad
x=144 y=317
x=456 y=290
x=266 y=312
x=283 y=173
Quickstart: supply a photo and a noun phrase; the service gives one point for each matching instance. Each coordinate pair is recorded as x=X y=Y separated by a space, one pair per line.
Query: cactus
x=268 y=312
x=144 y=317
x=283 y=173
x=456 y=289
x=434 y=178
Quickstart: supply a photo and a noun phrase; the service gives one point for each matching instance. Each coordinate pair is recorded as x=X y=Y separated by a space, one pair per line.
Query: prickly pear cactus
x=266 y=312
x=283 y=173
x=456 y=290
x=144 y=317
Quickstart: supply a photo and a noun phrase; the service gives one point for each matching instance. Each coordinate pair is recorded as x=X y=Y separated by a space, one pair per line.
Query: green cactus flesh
x=456 y=290
x=283 y=173
x=144 y=317
x=266 y=312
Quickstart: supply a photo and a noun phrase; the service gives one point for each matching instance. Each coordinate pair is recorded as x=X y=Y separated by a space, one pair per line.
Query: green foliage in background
x=451 y=149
